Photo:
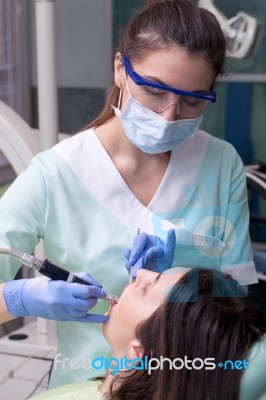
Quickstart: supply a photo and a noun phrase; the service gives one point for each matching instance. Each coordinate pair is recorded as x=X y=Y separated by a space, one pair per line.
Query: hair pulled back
x=162 y=24
x=174 y=22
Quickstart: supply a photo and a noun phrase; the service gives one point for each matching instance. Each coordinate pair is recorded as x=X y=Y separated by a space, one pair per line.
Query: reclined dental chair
x=253 y=382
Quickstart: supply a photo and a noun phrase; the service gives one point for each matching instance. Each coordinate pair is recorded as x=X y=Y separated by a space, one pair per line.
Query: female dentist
x=142 y=164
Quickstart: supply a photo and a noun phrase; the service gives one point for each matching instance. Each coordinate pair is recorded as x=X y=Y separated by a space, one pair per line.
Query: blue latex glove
x=57 y=300
x=151 y=252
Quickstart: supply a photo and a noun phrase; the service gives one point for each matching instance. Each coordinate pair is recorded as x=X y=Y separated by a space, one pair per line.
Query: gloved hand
x=151 y=252
x=57 y=300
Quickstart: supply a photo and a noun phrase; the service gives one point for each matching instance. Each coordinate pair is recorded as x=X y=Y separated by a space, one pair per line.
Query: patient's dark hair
x=206 y=315
x=163 y=24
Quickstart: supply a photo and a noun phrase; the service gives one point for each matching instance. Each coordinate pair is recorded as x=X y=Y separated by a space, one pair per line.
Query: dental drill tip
x=112 y=298
x=130 y=276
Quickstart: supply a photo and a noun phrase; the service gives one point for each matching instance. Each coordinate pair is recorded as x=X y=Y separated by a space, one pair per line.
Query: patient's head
x=138 y=301
x=205 y=315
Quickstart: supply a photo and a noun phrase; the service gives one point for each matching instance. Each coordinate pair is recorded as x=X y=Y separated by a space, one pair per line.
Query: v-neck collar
x=88 y=158
x=121 y=183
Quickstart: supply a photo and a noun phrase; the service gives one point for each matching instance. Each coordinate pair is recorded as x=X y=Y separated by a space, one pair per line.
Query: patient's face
x=138 y=301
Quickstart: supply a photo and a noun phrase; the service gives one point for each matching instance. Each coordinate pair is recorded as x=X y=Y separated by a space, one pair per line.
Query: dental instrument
x=50 y=270
x=131 y=279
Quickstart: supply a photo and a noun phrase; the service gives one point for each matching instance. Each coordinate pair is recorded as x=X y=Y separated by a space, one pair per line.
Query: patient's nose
x=145 y=276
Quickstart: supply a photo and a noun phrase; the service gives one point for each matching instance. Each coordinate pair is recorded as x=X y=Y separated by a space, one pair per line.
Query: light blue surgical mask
x=151 y=133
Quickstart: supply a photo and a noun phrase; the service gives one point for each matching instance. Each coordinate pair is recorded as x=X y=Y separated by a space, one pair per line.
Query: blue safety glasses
x=140 y=81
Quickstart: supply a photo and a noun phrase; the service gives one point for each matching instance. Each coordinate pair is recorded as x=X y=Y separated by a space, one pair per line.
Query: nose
x=145 y=276
x=170 y=111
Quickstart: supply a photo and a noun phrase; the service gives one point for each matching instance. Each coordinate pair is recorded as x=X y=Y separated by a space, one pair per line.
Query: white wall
x=84 y=32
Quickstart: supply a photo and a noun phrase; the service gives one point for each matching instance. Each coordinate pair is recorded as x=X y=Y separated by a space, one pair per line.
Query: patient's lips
x=112 y=298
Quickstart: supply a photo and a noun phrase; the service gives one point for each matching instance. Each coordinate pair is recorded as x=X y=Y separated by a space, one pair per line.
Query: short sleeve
x=237 y=258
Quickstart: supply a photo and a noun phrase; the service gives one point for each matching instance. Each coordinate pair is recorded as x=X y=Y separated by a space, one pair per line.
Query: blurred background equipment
x=242 y=30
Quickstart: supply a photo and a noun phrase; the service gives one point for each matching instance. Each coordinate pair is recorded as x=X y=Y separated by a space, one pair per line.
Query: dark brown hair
x=207 y=316
x=163 y=24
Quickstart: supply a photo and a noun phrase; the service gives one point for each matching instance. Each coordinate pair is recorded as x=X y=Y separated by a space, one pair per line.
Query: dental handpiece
x=50 y=270
x=131 y=278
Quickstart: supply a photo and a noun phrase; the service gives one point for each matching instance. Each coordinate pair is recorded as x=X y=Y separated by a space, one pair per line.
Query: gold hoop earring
x=120 y=97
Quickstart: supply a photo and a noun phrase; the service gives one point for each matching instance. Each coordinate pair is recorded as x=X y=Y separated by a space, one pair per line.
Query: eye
x=143 y=287
x=153 y=91
x=144 y=290
x=190 y=101
x=146 y=287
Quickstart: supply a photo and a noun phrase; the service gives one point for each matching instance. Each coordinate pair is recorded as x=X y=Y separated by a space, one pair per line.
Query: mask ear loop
x=121 y=91
x=120 y=97
x=125 y=76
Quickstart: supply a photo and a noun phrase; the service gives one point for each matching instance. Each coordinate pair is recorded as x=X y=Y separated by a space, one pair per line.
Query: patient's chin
x=107 y=326
x=109 y=314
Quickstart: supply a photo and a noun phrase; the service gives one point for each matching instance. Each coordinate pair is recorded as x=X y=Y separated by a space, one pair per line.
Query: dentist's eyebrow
x=157 y=80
